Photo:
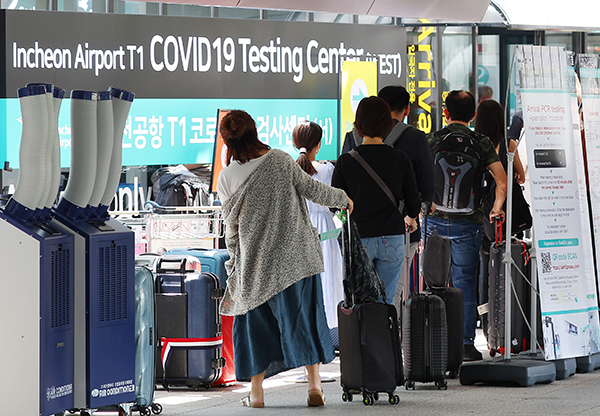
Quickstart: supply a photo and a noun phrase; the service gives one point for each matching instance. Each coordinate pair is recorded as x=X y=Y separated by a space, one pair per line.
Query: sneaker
x=471 y=353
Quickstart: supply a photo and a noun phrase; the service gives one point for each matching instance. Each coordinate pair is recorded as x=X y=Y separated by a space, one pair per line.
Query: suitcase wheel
x=368 y=399
x=376 y=396
x=442 y=384
x=347 y=397
x=156 y=408
x=453 y=374
x=409 y=385
x=145 y=411
x=394 y=399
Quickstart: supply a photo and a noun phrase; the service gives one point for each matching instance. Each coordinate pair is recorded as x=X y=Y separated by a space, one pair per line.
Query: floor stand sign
x=589 y=74
x=566 y=279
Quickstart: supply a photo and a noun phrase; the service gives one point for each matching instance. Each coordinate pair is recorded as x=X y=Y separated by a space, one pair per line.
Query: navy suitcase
x=145 y=342
x=188 y=324
x=213 y=260
x=425 y=340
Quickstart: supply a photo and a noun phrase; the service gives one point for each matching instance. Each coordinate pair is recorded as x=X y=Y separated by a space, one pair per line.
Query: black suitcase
x=188 y=325
x=369 y=342
x=455 y=320
x=425 y=340
x=455 y=309
x=369 y=351
x=496 y=302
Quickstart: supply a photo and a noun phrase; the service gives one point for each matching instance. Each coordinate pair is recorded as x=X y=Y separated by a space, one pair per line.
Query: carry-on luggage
x=188 y=325
x=436 y=280
x=455 y=320
x=145 y=343
x=213 y=260
x=370 y=360
x=496 y=303
x=424 y=339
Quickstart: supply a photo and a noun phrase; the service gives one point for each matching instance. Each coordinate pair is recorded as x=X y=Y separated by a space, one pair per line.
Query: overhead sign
x=358 y=80
x=182 y=69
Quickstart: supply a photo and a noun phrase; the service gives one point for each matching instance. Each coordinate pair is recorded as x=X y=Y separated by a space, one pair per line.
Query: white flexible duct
x=106 y=134
x=121 y=104
x=58 y=95
x=83 y=147
x=45 y=169
x=34 y=115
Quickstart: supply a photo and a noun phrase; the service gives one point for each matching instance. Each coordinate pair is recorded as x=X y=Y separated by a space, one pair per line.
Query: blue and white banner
x=566 y=282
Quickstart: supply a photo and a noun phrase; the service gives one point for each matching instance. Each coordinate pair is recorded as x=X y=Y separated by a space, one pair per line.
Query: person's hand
x=411 y=223
x=432 y=208
x=496 y=214
x=350 y=205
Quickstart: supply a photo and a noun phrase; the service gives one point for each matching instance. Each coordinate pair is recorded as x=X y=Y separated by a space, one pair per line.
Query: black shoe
x=471 y=353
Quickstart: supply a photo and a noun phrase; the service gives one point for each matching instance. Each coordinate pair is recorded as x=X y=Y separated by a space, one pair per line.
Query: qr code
x=546 y=262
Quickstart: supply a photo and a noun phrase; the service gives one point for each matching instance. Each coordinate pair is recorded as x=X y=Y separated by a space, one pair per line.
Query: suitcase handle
x=498 y=233
x=181 y=269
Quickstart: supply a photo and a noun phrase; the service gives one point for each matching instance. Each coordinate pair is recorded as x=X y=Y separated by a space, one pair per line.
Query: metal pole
x=507 y=260
x=534 y=297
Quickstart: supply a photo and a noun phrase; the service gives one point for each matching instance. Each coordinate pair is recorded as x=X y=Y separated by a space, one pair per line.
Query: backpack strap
x=395 y=134
x=400 y=204
x=390 y=139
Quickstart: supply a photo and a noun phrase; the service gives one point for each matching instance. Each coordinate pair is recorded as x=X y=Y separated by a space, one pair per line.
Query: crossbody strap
x=400 y=204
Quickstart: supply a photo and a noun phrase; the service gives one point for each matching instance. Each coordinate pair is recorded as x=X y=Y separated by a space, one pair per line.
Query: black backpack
x=458 y=173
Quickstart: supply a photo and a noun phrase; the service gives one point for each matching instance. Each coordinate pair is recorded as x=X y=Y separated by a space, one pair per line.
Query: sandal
x=316 y=398
x=249 y=403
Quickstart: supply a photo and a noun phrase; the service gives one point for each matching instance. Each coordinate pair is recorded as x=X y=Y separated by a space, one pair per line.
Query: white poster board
x=557 y=220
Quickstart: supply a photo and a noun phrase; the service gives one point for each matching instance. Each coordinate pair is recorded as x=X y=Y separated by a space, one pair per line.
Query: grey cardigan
x=269 y=236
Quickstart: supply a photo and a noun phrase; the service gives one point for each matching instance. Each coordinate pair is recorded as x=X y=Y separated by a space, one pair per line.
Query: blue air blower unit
x=36 y=299
x=104 y=252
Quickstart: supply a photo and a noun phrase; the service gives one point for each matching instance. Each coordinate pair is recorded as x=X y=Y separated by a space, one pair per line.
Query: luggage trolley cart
x=179 y=227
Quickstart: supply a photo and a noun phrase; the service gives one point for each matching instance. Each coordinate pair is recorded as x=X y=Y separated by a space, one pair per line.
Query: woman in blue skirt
x=273 y=289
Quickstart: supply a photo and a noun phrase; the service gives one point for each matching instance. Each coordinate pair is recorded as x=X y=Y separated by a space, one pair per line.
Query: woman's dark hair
x=373 y=118
x=238 y=130
x=490 y=120
x=308 y=135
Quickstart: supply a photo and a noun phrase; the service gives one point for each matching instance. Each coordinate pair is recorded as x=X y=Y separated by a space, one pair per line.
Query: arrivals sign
x=182 y=69
x=567 y=290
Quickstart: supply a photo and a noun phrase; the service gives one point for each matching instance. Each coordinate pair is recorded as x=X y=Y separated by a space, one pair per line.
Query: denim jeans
x=465 y=242
x=387 y=254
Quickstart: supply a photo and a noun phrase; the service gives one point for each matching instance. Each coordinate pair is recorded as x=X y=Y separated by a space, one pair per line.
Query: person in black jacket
x=414 y=143
x=380 y=224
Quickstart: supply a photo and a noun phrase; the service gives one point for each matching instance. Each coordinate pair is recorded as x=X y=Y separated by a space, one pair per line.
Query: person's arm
x=424 y=169
x=499 y=175
x=518 y=166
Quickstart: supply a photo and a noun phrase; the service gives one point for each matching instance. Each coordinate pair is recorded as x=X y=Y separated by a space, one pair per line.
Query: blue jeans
x=387 y=254
x=465 y=242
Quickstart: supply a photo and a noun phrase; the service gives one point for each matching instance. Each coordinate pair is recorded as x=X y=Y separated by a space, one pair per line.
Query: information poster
x=358 y=80
x=556 y=209
x=592 y=331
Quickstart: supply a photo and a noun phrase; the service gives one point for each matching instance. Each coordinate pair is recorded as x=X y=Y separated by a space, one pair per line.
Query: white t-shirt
x=234 y=175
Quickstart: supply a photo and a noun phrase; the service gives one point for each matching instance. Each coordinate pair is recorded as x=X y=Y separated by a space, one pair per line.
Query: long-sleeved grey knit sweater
x=269 y=236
